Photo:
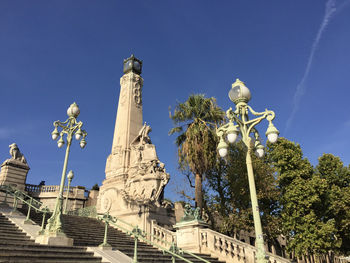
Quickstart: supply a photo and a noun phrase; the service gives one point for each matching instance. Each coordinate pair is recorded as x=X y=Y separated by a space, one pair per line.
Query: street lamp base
x=59 y=239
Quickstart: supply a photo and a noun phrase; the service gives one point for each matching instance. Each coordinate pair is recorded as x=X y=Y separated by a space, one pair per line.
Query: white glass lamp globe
x=73 y=110
x=232 y=132
x=223 y=152
x=82 y=143
x=272 y=133
x=260 y=151
x=60 y=143
x=239 y=92
x=231 y=137
x=78 y=135
x=272 y=137
x=70 y=175
x=222 y=148
x=54 y=134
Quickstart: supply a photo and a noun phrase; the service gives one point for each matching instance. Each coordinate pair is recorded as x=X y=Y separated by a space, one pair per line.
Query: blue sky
x=293 y=55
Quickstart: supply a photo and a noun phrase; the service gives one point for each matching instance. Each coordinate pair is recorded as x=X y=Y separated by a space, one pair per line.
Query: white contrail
x=300 y=90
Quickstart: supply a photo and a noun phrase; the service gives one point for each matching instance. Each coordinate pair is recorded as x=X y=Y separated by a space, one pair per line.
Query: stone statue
x=146 y=176
x=16 y=154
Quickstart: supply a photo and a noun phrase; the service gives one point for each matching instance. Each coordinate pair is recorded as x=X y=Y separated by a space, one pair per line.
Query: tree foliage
x=195 y=121
x=310 y=206
x=336 y=198
x=230 y=196
x=302 y=201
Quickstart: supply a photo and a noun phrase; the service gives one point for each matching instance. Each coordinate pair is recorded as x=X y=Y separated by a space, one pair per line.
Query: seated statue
x=16 y=154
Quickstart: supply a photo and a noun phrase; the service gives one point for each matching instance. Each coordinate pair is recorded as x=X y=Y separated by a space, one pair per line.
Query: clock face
x=137 y=66
x=132 y=65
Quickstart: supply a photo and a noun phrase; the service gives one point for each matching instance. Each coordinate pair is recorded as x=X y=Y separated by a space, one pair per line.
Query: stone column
x=128 y=124
x=129 y=118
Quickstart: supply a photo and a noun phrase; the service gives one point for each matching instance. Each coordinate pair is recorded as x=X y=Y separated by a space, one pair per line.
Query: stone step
x=7 y=234
x=16 y=246
x=16 y=238
x=46 y=259
x=16 y=242
x=90 y=232
x=29 y=251
x=39 y=246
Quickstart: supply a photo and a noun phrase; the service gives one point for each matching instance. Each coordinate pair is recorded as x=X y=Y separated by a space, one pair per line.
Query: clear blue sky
x=293 y=55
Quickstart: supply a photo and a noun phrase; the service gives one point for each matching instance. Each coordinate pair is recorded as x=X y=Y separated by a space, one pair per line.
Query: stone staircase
x=90 y=232
x=16 y=246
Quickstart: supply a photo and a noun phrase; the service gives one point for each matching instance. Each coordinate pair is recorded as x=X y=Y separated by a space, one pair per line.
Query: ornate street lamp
x=239 y=123
x=70 y=177
x=70 y=127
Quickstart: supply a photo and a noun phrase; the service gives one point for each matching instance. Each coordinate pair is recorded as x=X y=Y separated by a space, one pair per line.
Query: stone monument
x=14 y=170
x=135 y=178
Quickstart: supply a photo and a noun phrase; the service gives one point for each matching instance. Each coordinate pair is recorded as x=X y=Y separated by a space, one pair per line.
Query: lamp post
x=240 y=95
x=70 y=177
x=70 y=127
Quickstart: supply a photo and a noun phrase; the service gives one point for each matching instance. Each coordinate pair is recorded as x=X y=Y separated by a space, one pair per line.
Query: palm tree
x=195 y=121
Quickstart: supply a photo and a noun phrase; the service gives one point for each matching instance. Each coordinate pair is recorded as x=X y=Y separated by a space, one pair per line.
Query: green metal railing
x=133 y=231
x=25 y=199
x=138 y=234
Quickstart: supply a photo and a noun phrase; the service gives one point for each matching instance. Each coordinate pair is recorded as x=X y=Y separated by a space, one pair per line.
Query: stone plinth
x=112 y=200
x=54 y=240
x=14 y=173
x=188 y=235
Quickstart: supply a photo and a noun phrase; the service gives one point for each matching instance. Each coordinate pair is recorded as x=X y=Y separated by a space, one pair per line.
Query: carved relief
x=107 y=199
x=117 y=151
x=137 y=95
x=146 y=176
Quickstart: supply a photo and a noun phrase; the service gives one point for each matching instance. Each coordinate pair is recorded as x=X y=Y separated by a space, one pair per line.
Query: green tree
x=229 y=198
x=195 y=122
x=336 y=198
x=302 y=194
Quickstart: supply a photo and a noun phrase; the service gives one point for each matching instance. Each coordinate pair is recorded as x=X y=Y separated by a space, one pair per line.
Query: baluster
x=28 y=221
x=15 y=204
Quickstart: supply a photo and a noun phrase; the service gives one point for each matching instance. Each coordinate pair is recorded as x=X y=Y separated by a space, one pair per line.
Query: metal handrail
x=173 y=250
x=136 y=232
x=23 y=197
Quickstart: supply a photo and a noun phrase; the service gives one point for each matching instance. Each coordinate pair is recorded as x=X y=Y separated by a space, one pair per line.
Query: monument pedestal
x=54 y=240
x=13 y=173
x=188 y=235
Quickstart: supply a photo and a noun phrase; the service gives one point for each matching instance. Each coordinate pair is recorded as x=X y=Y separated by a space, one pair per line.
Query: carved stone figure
x=146 y=176
x=16 y=154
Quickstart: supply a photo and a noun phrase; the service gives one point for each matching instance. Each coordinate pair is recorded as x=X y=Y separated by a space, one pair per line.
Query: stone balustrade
x=162 y=236
x=47 y=194
x=31 y=188
x=229 y=249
